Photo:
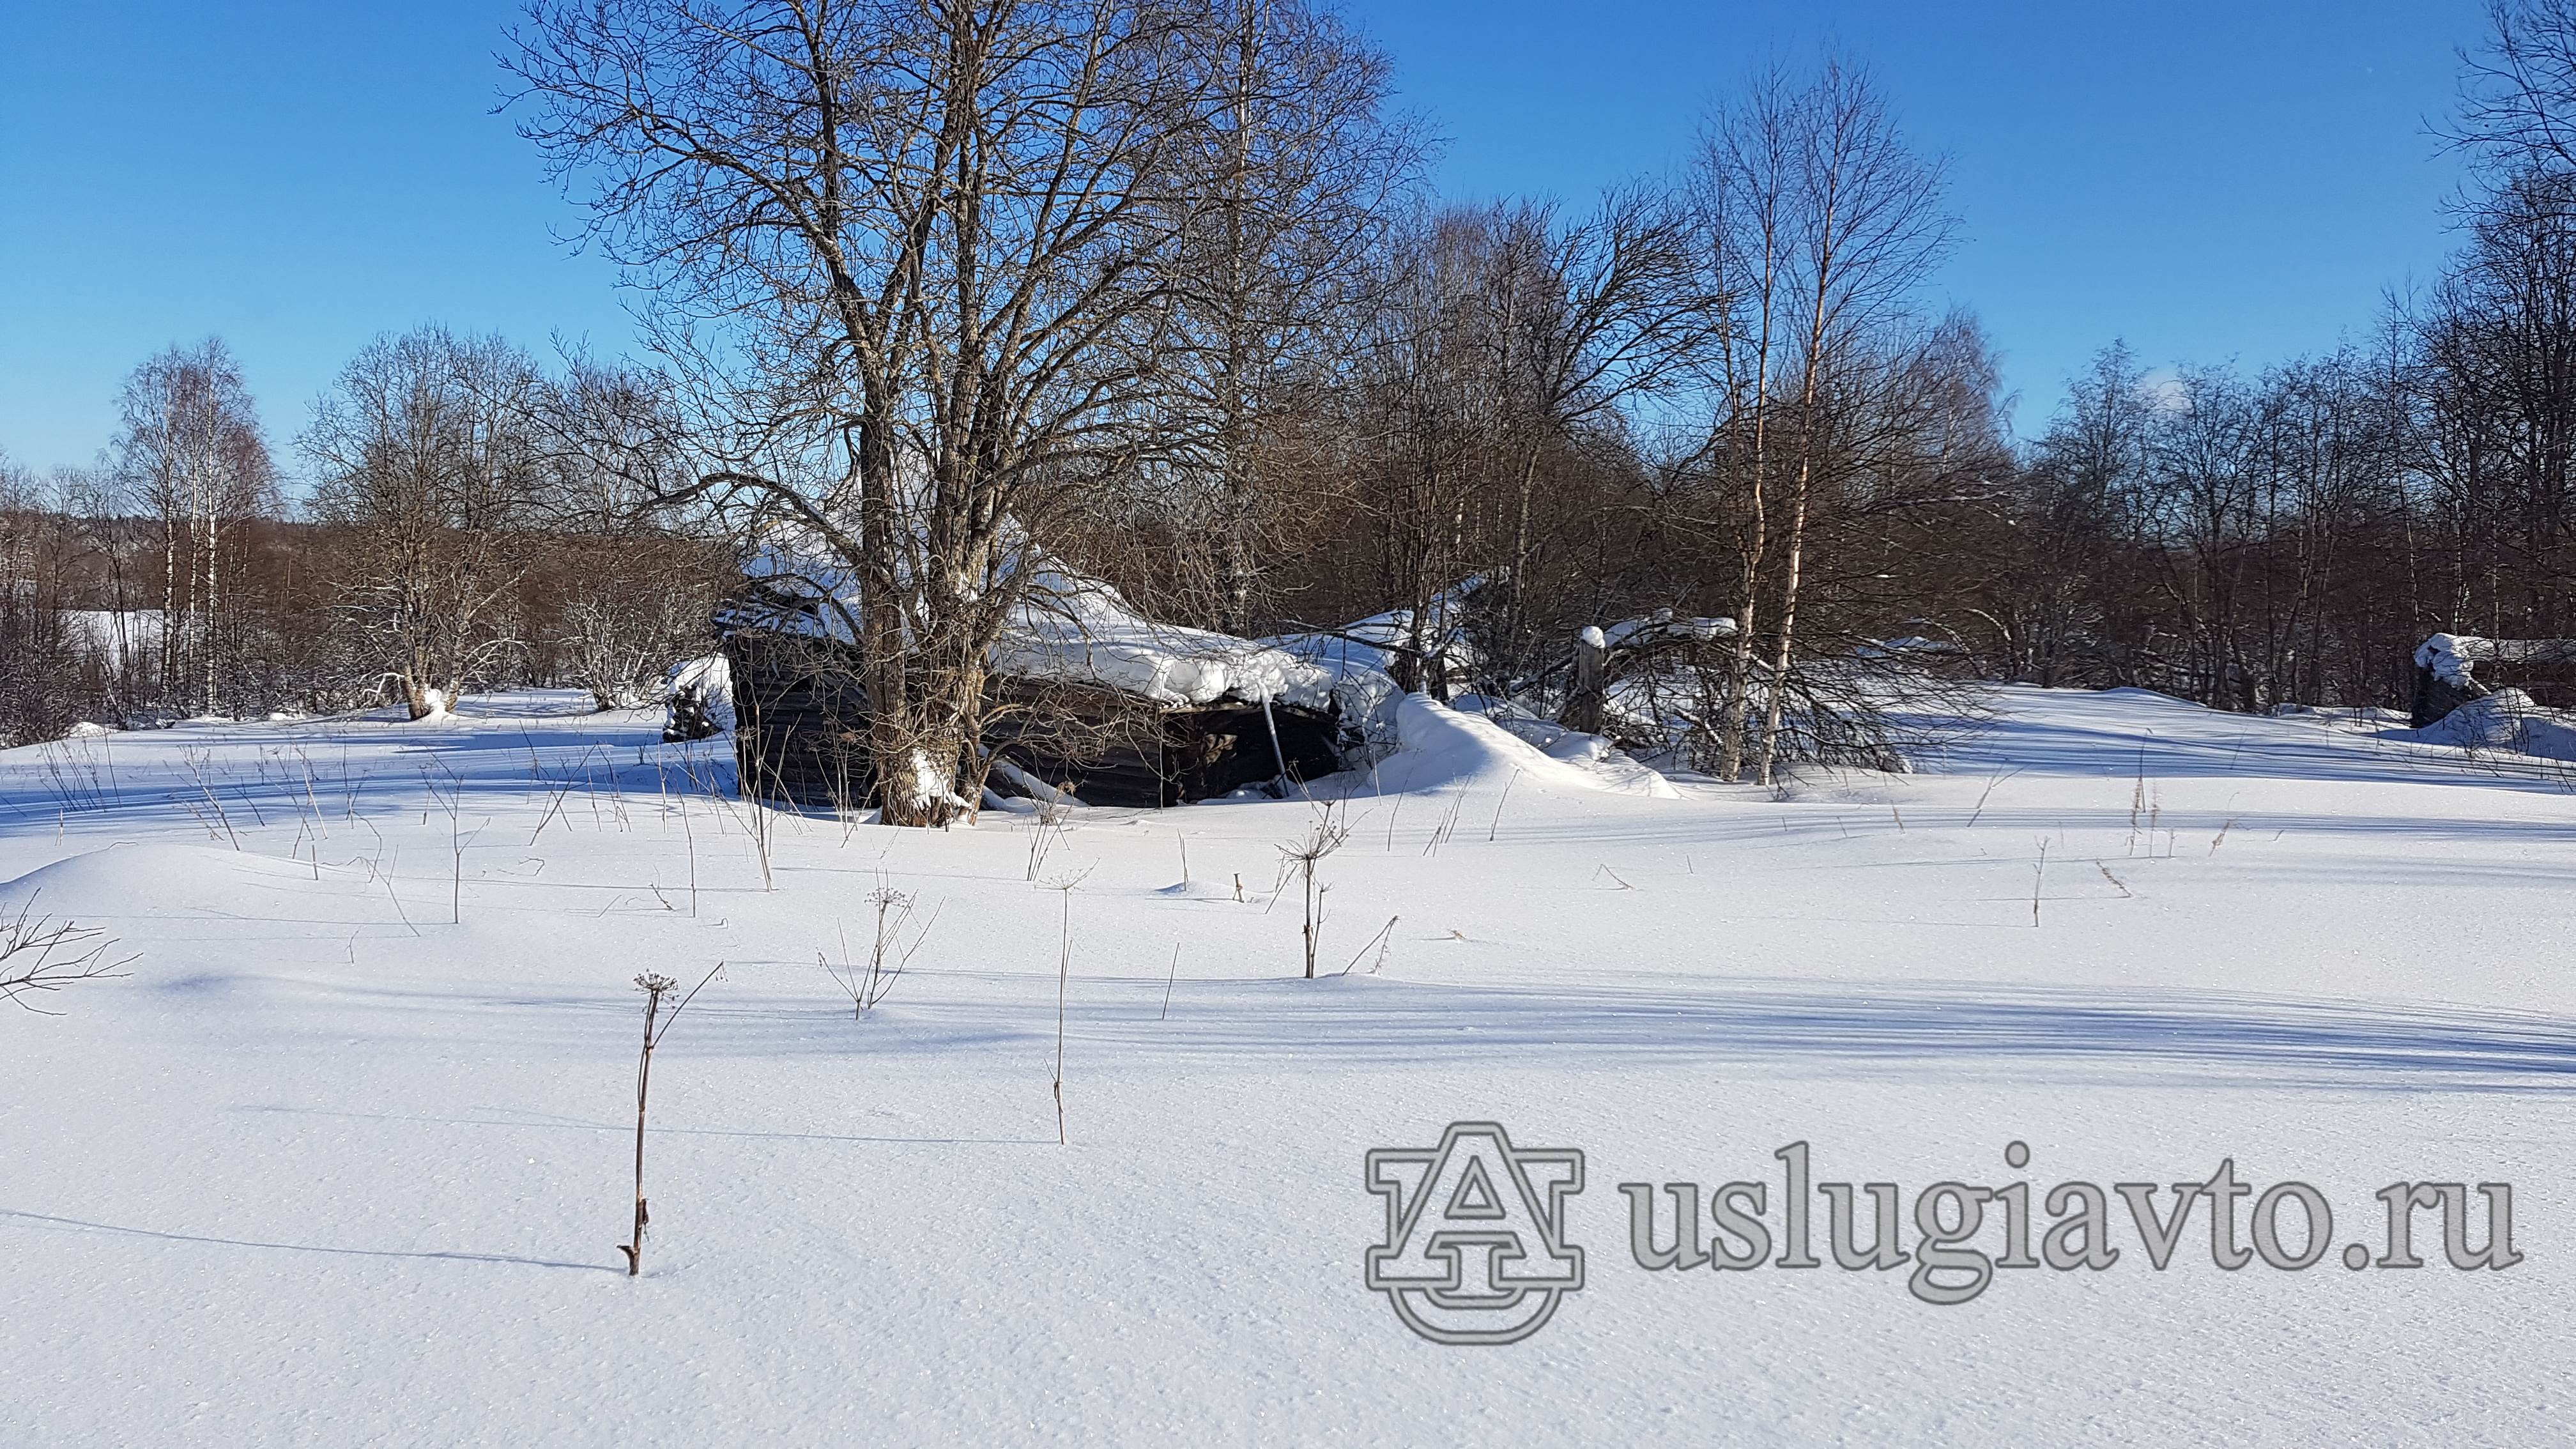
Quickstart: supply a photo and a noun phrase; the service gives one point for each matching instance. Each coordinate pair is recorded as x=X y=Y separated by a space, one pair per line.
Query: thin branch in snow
x=39 y=954
x=1384 y=932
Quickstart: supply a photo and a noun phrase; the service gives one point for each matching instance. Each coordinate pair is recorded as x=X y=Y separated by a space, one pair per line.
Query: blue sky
x=2210 y=181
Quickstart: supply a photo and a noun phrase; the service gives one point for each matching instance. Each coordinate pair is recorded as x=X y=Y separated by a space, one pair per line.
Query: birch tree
x=190 y=452
x=1834 y=223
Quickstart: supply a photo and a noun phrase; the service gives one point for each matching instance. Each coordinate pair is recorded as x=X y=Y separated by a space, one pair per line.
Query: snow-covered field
x=332 y=1167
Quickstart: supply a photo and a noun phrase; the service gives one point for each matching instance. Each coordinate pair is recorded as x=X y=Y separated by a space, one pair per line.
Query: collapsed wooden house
x=2453 y=669
x=1085 y=697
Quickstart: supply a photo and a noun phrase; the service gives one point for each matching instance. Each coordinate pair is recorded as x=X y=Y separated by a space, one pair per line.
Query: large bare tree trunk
x=985 y=278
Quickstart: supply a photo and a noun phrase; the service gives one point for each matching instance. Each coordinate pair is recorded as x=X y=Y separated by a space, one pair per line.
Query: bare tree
x=190 y=451
x=634 y=581
x=935 y=240
x=1747 y=186
x=1589 y=317
x=1424 y=420
x=1865 y=229
x=2518 y=90
x=41 y=688
x=430 y=462
x=1294 y=179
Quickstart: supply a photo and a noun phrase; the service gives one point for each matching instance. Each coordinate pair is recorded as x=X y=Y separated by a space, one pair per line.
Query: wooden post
x=1586 y=705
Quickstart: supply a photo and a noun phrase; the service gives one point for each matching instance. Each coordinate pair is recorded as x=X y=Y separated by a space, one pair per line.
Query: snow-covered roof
x=2454 y=658
x=1067 y=627
x=1075 y=628
x=1662 y=624
x=1373 y=642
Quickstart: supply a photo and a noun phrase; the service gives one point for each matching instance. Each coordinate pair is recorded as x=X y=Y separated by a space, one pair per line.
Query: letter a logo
x=1475 y=1248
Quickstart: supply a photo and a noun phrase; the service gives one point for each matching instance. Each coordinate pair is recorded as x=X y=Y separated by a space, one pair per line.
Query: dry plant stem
x=889 y=955
x=198 y=774
x=762 y=823
x=1063 y=976
x=1975 y=814
x=689 y=834
x=451 y=799
x=654 y=987
x=1384 y=932
x=555 y=806
x=1049 y=830
x=1448 y=825
x=385 y=873
x=1327 y=834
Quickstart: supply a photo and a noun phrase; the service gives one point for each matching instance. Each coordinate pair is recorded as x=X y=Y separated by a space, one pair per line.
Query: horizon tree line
x=942 y=291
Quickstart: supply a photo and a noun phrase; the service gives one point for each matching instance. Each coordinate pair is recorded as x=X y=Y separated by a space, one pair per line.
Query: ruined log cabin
x=1086 y=698
x=2453 y=669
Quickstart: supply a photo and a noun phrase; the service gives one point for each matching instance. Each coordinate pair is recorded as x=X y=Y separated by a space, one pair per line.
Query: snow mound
x=162 y=880
x=1437 y=747
x=1372 y=644
x=2504 y=720
x=698 y=698
x=1365 y=693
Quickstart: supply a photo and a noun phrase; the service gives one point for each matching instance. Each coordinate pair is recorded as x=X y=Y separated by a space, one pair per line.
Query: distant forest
x=1159 y=289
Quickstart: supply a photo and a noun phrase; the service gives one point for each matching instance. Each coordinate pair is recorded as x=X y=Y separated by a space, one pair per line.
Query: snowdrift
x=2504 y=720
x=155 y=879
x=1440 y=748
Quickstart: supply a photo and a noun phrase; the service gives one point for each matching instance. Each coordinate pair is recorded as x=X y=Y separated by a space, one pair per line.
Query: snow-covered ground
x=332 y=1167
